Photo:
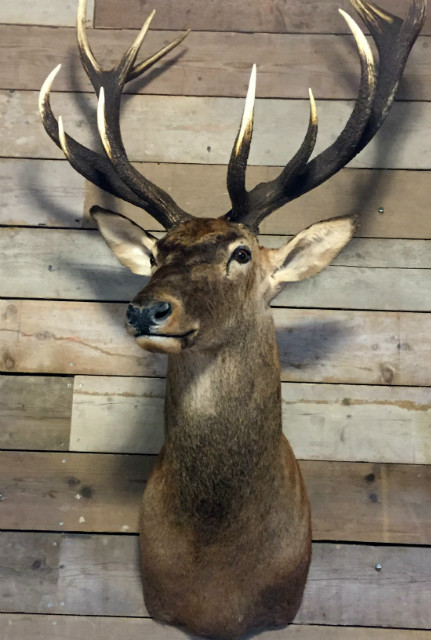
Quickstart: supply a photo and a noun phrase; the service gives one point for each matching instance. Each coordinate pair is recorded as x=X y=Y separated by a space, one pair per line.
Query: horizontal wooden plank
x=40 y=193
x=35 y=412
x=196 y=130
x=322 y=422
x=208 y=64
x=99 y=575
x=52 y=627
x=77 y=265
x=102 y=493
x=315 y=345
x=59 y=13
x=302 y=16
x=380 y=197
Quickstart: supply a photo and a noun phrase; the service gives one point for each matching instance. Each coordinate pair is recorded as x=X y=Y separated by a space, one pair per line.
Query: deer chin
x=166 y=343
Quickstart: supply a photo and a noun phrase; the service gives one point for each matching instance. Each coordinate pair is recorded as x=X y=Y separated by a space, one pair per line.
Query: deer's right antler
x=112 y=172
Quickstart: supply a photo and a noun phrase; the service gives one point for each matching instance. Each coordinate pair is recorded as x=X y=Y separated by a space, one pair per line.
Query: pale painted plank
x=51 y=627
x=40 y=193
x=35 y=412
x=197 y=130
x=315 y=345
x=44 y=12
x=322 y=422
x=102 y=493
x=99 y=575
x=303 y=16
x=208 y=64
x=402 y=195
x=77 y=265
x=117 y=415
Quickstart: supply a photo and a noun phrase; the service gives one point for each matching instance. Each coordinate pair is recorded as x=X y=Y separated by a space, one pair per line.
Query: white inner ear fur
x=129 y=243
x=310 y=251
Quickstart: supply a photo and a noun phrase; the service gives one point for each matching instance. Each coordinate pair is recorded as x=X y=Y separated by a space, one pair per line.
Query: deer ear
x=130 y=244
x=310 y=251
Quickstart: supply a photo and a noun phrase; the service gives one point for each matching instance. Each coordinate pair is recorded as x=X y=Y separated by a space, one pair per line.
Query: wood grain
x=403 y=196
x=322 y=422
x=40 y=193
x=196 y=130
x=207 y=64
x=51 y=627
x=302 y=16
x=101 y=493
x=77 y=265
x=98 y=575
x=35 y=412
x=315 y=345
x=60 y=12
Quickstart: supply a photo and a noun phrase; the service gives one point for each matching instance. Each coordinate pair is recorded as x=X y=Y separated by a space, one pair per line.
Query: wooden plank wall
x=81 y=405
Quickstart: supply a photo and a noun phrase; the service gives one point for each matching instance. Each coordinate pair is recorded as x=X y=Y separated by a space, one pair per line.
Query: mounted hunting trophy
x=225 y=521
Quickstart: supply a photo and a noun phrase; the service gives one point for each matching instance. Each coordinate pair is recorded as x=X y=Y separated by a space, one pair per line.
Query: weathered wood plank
x=322 y=422
x=208 y=64
x=51 y=627
x=35 y=412
x=196 y=130
x=77 y=265
x=315 y=345
x=102 y=493
x=59 y=13
x=106 y=402
x=303 y=16
x=40 y=193
x=99 y=575
x=403 y=196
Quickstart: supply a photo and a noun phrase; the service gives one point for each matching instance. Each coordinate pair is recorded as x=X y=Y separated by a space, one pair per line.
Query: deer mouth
x=165 y=342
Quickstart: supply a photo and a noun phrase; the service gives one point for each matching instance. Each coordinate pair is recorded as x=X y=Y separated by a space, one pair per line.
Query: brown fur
x=225 y=521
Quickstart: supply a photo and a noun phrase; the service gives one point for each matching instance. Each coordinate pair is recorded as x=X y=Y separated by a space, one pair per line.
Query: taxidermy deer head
x=225 y=522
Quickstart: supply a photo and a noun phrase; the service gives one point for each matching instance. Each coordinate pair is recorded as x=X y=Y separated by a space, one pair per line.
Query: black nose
x=143 y=319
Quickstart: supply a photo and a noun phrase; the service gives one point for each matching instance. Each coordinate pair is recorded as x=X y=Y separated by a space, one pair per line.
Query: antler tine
x=385 y=29
x=240 y=199
x=114 y=173
x=394 y=39
x=93 y=166
x=239 y=156
x=146 y=64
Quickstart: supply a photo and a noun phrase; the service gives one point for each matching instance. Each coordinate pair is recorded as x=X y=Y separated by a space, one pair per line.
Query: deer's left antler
x=394 y=39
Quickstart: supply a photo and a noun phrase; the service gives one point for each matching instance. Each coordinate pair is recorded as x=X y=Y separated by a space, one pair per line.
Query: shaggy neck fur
x=223 y=426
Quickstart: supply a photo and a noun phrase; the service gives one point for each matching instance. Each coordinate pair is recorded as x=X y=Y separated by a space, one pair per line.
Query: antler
x=112 y=172
x=394 y=39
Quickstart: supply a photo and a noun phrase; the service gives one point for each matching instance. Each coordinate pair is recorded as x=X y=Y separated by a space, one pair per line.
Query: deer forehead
x=205 y=239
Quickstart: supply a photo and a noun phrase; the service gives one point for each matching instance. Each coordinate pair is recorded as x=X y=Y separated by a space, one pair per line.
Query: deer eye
x=241 y=255
x=152 y=260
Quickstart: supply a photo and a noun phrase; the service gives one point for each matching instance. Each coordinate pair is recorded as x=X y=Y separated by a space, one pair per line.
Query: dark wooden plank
x=40 y=193
x=35 y=412
x=99 y=575
x=77 y=265
x=202 y=130
x=54 y=627
x=209 y=64
x=302 y=16
x=316 y=345
x=360 y=191
x=101 y=493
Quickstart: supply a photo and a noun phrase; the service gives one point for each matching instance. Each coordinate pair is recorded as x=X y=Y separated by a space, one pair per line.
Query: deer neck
x=223 y=422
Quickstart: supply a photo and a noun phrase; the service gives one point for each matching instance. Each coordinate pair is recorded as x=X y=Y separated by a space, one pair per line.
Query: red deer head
x=225 y=521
